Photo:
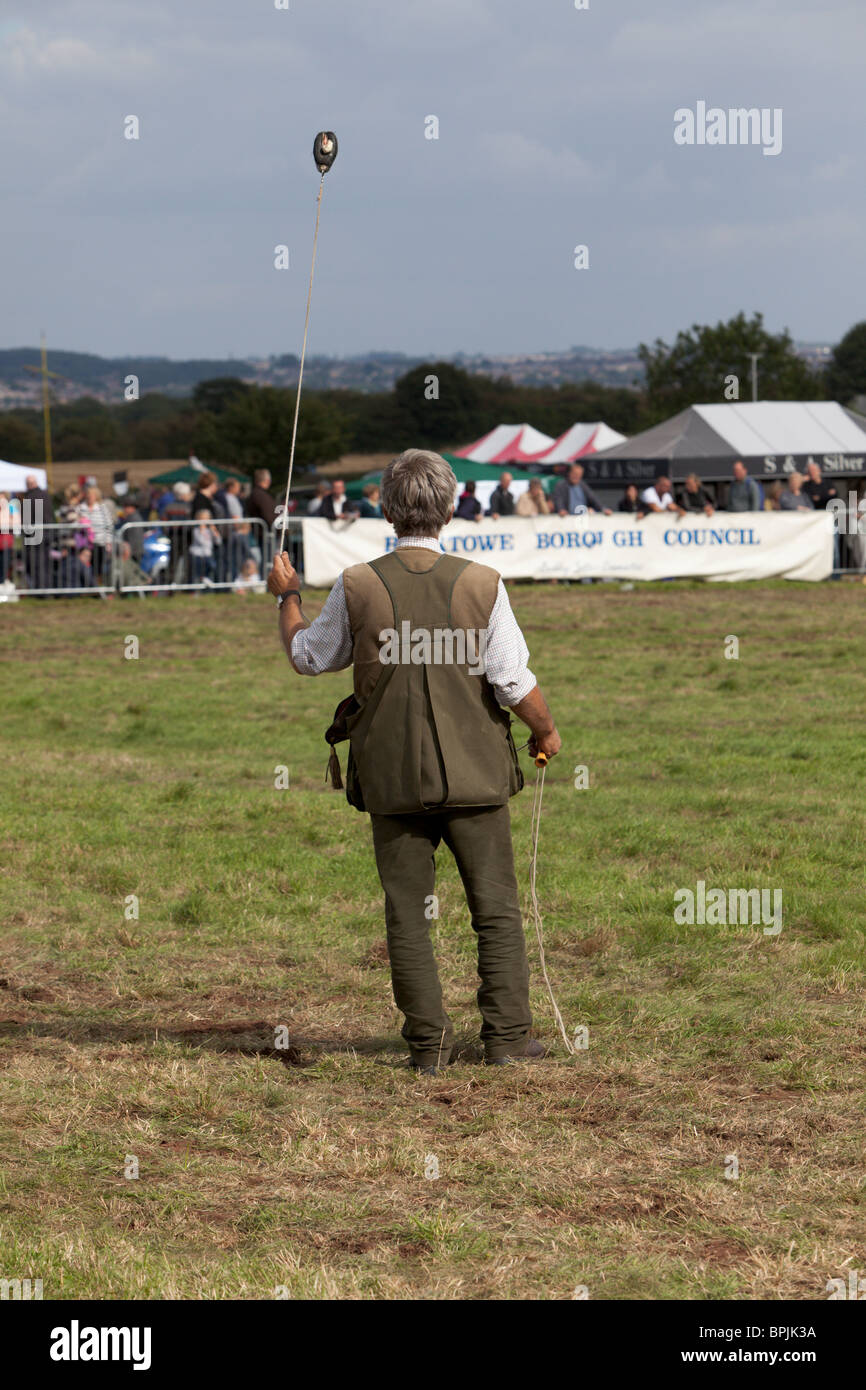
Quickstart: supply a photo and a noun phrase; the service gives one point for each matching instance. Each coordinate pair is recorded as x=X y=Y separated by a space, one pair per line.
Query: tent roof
x=708 y=438
x=507 y=443
x=580 y=440
x=186 y=473
x=13 y=476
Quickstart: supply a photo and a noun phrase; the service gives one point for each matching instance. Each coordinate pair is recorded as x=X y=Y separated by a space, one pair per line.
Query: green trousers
x=479 y=837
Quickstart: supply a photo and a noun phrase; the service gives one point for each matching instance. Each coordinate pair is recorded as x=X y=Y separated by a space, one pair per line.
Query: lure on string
x=324 y=154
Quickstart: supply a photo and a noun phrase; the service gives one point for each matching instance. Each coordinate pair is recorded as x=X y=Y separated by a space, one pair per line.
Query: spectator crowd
x=133 y=542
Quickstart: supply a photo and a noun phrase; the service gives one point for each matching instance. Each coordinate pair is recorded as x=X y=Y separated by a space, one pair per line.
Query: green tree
x=255 y=431
x=217 y=394
x=695 y=369
x=439 y=404
x=846 y=371
x=20 y=442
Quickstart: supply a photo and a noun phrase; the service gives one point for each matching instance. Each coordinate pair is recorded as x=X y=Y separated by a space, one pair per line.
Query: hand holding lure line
x=324 y=154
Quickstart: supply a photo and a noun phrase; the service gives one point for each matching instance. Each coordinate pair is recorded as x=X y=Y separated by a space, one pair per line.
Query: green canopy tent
x=464 y=470
x=185 y=473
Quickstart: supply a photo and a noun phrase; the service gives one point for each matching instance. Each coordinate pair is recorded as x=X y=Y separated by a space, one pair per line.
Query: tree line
x=228 y=421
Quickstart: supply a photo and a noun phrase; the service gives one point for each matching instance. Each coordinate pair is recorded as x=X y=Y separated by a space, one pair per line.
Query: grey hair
x=418 y=490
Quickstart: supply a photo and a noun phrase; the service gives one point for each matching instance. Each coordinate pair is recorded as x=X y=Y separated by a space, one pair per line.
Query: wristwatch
x=287 y=594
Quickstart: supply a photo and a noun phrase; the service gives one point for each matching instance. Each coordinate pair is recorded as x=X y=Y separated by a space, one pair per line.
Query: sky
x=555 y=130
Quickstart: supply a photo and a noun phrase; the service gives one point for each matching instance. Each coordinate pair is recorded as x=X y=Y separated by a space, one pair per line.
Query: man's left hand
x=282 y=576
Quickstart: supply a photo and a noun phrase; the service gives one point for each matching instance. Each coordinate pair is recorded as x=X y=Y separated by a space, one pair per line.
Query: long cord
x=301 y=369
x=533 y=898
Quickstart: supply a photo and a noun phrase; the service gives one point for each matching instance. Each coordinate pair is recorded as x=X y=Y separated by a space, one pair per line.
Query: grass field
x=304 y=1169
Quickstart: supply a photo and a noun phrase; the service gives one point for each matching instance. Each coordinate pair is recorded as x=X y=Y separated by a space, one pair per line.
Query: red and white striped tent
x=523 y=444
x=508 y=444
x=580 y=440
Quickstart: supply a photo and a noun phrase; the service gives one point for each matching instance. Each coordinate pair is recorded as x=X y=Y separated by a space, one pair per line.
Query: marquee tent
x=508 y=444
x=581 y=440
x=772 y=438
x=13 y=476
x=524 y=444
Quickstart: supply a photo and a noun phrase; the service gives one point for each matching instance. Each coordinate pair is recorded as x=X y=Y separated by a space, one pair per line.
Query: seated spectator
x=314 y=506
x=793 y=498
x=370 y=504
x=501 y=498
x=659 y=497
x=337 y=504
x=630 y=502
x=82 y=570
x=693 y=497
x=815 y=488
x=468 y=507
x=771 y=496
x=743 y=493
x=202 y=548
x=572 y=496
x=249 y=580
x=533 y=502
x=130 y=575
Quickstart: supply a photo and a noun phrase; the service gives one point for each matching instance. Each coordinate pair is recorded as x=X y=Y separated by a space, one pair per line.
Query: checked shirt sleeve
x=326 y=645
x=507 y=654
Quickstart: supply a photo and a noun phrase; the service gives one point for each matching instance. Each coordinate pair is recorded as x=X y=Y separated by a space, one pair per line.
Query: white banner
x=727 y=545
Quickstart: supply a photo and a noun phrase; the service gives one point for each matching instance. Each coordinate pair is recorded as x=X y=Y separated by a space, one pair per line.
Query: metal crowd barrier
x=143 y=557
x=173 y=556
x=56 y=558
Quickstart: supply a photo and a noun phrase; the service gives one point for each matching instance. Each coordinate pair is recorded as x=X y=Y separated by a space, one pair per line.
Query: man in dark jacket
x=36 y=511
x=432 y=758
x=501 y=500
x=693 y=497
x=260 y=503
x=572 y=496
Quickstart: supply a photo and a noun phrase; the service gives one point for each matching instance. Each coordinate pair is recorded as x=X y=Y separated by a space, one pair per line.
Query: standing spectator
x=237 y=541
x=743 y=493
x=202 y=548
x=772 y=496
x=205 y=500
x=337 y=504
x=816 y=488
x=178 y=510
x=260 y=503
x=36 y=512
x=7 y=538
x=468 y=507
x=134 y=537
x=533 y=502
x=370 y=505
x=572 y=496
x=314 y=506
x=100 y=519
x=630 y=502
x=659 y=497
x=793 y=498
x=501 y=499
x=693 y=497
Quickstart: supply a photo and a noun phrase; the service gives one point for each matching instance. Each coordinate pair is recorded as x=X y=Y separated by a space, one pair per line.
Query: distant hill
x=85 y=374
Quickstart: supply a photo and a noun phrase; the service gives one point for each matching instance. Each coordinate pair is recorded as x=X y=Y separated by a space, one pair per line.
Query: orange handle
x=541 y=760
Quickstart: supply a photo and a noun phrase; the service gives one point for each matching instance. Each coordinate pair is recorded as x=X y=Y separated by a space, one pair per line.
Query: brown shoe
x=533 y=1051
